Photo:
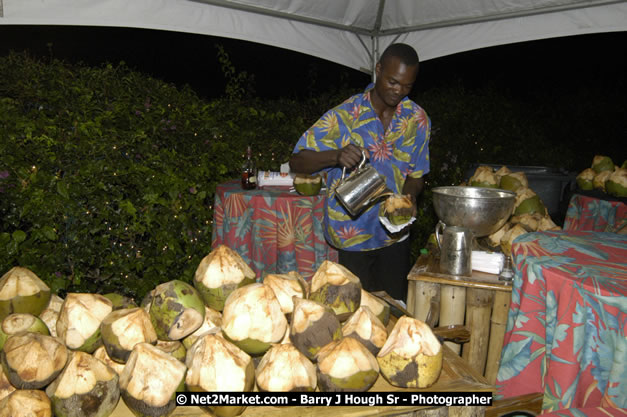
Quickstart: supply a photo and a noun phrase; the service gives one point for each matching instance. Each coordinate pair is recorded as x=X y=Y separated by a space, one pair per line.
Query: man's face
x=394 y=80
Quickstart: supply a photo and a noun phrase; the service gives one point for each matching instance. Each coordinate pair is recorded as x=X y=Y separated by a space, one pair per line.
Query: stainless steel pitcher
x=455 y=249
x=361 y=188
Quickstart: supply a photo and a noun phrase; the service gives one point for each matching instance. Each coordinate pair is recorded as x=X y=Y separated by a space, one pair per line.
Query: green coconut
x=174 y=348
x=78 y=325
x=150 y=381
x=5 y=385
x=366 y=327
x=599 y=180
x=216 y=365
x=286 y=286
x=494 y=240
x=337 y=287
x=26 y=403
x=50 y=315
x=176 y=311
x=585 y=179
x=513 y=181
x=211 y=324
x=33 y=360
x=120 y=301
x=616 y=184
x=313 y=326
x=528 y=201
x=531 y=221
x=253 y=319
x=509 y=236
x=21 y=291
x=624 y=165
x=122 y=329
x=484 y=177
x=502 y=171
x=101 y=354
x=86 y=388
x=379 y=307
x=411 y=356
x=147 y=300
x=221 y=272
x=307 y=184
x=284 y=368
x=398 y=209
x=21 y=322
x=602 y=163
x=346 y=365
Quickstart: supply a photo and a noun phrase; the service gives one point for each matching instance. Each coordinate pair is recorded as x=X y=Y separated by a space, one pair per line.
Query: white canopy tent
x=348 y=32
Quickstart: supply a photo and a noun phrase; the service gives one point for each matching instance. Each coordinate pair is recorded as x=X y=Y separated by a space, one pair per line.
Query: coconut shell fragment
x=337 y=287
x=346 y=365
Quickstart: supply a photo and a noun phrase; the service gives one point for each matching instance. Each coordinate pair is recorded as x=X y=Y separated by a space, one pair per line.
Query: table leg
x=497 y=333
x=478 y=308
x=452 y=309
x=425 y=294
x=411 y=295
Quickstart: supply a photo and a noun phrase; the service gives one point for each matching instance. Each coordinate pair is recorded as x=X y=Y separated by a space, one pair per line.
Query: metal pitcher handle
x=360 y=166
x=439 y=228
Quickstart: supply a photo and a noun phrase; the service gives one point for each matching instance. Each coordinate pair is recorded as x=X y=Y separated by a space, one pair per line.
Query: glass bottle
x=249 y=173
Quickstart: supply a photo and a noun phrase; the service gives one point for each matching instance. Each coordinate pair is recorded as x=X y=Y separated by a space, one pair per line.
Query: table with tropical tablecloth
x=566 y=329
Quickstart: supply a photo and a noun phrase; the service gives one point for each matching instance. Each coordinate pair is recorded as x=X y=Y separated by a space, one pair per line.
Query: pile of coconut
x=604 y=176
x=530 y=213
x=223 y=332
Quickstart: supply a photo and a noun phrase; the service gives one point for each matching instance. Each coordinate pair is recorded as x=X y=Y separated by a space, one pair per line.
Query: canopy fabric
x=348 y=32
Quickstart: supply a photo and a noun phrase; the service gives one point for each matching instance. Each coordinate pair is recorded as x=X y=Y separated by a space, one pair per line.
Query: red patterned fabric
x=594 y=214
x=588 y=412
x=566 y=329
x=275 y=231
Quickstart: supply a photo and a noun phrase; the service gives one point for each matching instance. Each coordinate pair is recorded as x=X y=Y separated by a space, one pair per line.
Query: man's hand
x=350 y=156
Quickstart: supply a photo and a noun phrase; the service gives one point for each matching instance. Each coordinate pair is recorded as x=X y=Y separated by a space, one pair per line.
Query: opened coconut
x=379 y=307
x=215 y=364
x=219 y=274
x=602 y=163
x=411 y=356
x=78 y=325
x=284 y=369
x=21 y=322
x=174 y=348
x=547 y=224
x=599 y=180
x=150 y=381
x=5 y=386
x=33 y=360
x=510 y=235
x=337 y=287
x=514 y=181
x=286 y=286
x=616 y=183
x=502 y=171
x=86 y=388
x=176 y=310
x=21 y=291
x=211 y=324
x=531 y=222
x=101 y=354
x=364 y=326
x=494 y=240
x=484 y=177
x=120 y=301
x=26 y=403
x=252 y=318
x=50 y=315
x=585 y=179
x=307 y=184
x=123 y=329
x=528 y=201
x=313 y=325
x=398 y=209
x=346 y=365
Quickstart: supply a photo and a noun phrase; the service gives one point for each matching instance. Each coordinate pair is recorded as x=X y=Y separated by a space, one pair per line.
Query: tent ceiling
x=349 y=32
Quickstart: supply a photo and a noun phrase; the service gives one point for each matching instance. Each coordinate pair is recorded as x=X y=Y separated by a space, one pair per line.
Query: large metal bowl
x=482 y=210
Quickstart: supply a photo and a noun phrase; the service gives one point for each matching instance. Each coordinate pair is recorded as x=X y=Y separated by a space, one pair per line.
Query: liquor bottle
x=249 y=173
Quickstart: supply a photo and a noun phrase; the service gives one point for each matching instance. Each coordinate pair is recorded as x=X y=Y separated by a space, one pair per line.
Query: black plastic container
x=553 y=186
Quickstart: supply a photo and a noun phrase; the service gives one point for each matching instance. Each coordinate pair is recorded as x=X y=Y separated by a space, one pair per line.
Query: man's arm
x=308 y=161
x=413 y=187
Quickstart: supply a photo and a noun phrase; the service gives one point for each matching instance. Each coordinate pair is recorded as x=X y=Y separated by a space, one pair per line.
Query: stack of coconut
x=530 y=214
x=603 y=175
x=77 y=356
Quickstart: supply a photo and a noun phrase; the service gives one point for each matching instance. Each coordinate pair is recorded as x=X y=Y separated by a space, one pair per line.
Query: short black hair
x=402 y=51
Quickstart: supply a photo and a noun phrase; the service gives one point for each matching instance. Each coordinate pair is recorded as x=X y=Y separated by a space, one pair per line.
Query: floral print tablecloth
x=595 y=214
x=566 y=329
x=275 y=231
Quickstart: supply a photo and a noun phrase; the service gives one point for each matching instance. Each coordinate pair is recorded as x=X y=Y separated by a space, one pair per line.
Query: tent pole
x=374 y=57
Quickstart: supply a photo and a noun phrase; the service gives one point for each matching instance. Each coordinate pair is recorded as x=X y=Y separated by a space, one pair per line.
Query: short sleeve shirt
x=400 y=151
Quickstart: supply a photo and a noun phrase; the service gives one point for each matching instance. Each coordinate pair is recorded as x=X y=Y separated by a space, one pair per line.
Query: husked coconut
x=528 y=201
x=176 y=310
x=494 y=239
x=502 y=171
x=364 y=326
x=21 y=322
x=411 y=356
x=602 y=163
x=398 y=209
x=123 y=329
x=147 y=300
x=211 y=324
x=87 y=387
x=120 y=301
x=78 y=325
x=221 y=272
x=484 y=177
x=379 y=307
x=50 y=315
x=215 y=364
x=514 y=181
x=174 y=348
x=21 y=291
x=286 y=286
x=508 y=238
x=252 y=318
x=307 y=184
x=616 y=183
x=337 y=287
x=32 y=360
x=346 y=365
x=313 y=326
x=599 y=180
x=26 y=403
x=546 y=223
x=102 y=355
x=531 y=221
x=5 y=386
x=585 y=179
x=150 y=380
x=284 y=368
